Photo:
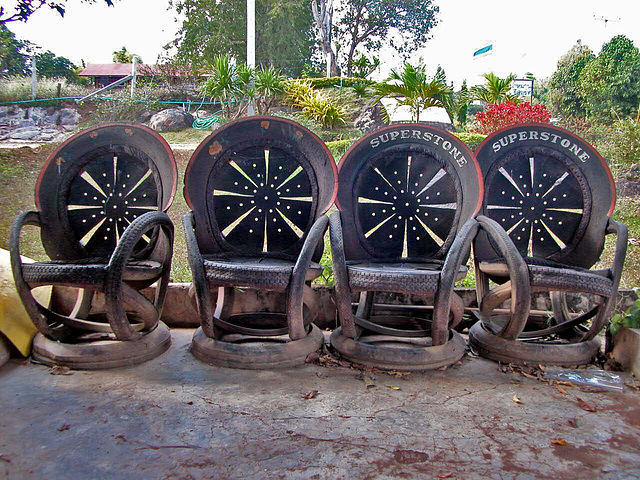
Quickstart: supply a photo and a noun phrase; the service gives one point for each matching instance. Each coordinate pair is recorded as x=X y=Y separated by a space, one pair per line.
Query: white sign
x=522 y=87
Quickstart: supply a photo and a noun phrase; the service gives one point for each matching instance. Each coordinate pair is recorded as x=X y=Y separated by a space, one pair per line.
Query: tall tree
x=609 y=85
x=368 y=25
x=51 y=66
x=124 y=56
x=322 y=11
x=25 y=8
x=564 y=84
x=13 y=57
x=218 y=27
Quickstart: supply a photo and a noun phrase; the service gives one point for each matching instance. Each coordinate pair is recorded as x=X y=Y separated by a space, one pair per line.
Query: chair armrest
x=199 y=276
x=296 y=286
x=518 y=275
x=604 y=313
x=442 y=304
x=342 y=289
x=32 y=307
x=115 y=269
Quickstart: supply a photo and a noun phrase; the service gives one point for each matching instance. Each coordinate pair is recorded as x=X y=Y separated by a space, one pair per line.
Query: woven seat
x=411 y=278
x=550 y=197
x=258 y=189
x=81 y=274
x=101 y=199
x=252 y=272
x=407 y=197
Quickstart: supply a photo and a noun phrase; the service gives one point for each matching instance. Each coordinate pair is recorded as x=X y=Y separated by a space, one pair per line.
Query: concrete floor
x=176 y=418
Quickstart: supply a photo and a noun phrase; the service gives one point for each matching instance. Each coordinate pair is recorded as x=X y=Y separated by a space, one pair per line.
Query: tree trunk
x=322 y=11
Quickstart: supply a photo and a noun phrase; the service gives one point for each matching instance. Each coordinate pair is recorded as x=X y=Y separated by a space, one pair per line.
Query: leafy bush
x=338 y=81
x=625 y=147
x=472 y=140
x=296 y=90
x=508 y=113
x=269 y=84
x=630 y=318
x=318 y=107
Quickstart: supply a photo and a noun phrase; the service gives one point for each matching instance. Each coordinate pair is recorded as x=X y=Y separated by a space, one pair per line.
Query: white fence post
x=251 y=45
x=34 y=80
x=133 y=76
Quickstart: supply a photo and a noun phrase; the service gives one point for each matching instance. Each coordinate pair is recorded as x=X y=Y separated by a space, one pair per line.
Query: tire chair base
x=493 y=347
x=398 y=353
x=255 y=353
x=102 y=354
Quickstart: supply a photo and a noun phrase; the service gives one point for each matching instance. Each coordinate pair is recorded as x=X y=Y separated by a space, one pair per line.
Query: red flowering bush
x=501 y=115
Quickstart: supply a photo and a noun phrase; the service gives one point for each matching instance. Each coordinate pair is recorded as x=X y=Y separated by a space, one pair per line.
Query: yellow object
x=15 y=323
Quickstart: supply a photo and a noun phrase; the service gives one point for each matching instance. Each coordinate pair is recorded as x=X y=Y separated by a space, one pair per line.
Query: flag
x=487 y=49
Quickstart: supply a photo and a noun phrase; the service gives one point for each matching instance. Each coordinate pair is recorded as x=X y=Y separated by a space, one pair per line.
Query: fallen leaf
x=310 y=395
x=4 y=459
x=634 y=385
x=393 y=387
x=585 y=406
x=189 y=403
x=312 y=357
x=446 y=475
x=60 y=370
x=64 y=427
x=561 y=390
x=558 y=441
x=516 y=399
x=565 y=383
x=590 y=389
x=532 y=377
x=573 y=422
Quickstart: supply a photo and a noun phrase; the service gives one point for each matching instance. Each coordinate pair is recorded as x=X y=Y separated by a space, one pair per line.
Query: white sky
x=527 y=36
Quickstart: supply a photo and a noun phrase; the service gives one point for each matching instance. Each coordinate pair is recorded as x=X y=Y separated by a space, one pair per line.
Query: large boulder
x=170 y=119
x=371 y=117
x=68 y=116
x=25 y=133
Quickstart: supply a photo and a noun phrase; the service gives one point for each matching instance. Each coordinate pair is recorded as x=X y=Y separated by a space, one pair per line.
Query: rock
x=144 y=117
x=626 y=350
x=370 y=118
x=25 y=133
x=4 y=351
x=27 y=122
x=68 y=116
x=627 y=188
x=4 y=111
x=170 y=119
x=69 y=128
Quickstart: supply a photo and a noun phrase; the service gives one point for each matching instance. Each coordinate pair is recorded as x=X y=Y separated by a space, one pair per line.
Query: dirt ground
x=177 y=418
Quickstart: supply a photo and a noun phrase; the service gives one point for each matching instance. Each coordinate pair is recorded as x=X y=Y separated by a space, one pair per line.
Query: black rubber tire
x=409 y=358
x=100 y=355
x=258 y=354
x=499 y=349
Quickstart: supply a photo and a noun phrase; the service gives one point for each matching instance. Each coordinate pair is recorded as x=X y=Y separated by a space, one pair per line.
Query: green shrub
x=630 y=318
x=338 y=81
x=296 y=90
x=624 y=150
x=472 y=140
x=319 y=108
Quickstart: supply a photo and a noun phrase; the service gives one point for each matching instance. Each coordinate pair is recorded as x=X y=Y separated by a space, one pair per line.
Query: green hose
x=204 y=122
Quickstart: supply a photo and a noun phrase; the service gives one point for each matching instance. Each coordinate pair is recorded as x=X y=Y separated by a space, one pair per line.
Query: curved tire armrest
x=32 y=307
x=442 y=304
x=199 y=276
x=117 y=264
x=341 y=277
x=297 y=283
x=518 y=275
x=622 y=239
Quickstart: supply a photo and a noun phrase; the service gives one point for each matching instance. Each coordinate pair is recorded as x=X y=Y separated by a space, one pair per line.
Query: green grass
x=188 y=136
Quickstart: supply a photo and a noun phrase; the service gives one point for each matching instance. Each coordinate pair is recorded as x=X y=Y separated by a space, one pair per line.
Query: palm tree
x=496 y=90
x=412 y=87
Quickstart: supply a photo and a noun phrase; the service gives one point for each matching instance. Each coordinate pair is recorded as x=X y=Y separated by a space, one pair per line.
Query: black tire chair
x=552 y=195
x=101 y=198
x=407 y=197
x=258 y=188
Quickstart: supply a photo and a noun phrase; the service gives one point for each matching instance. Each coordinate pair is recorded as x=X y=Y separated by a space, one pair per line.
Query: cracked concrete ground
x=176 y=418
